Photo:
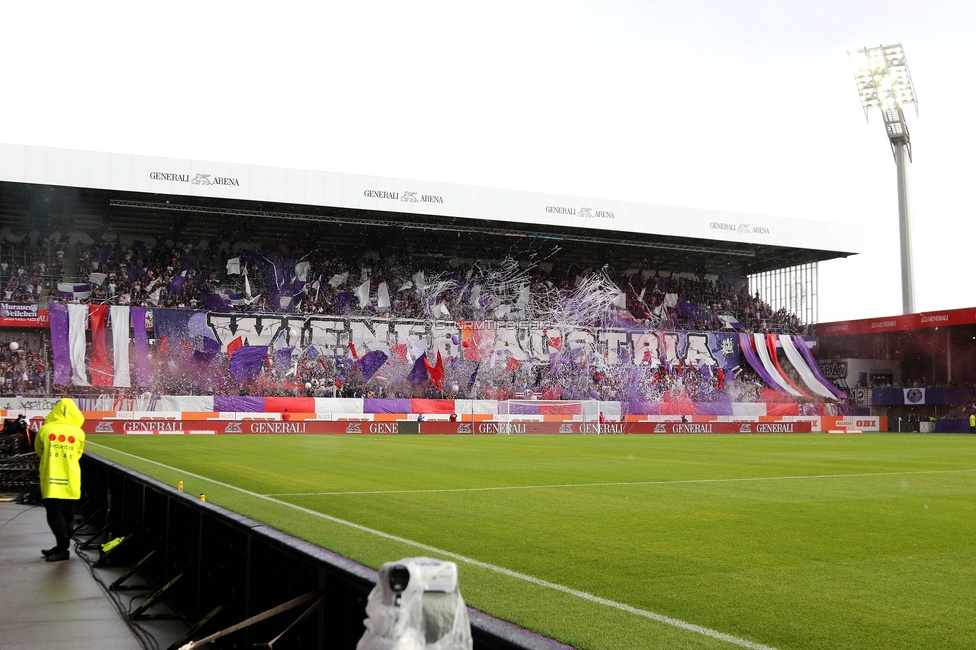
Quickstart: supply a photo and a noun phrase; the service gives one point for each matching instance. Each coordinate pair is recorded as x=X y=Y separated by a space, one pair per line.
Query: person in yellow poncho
x=60 y=444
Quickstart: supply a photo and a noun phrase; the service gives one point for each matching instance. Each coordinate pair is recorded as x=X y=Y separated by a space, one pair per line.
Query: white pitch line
x=660 y=618
x=621 y=483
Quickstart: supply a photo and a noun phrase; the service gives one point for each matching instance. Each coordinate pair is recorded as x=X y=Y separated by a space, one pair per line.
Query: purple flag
x=213 y=302
x=282 y=359
x=474 y=376
x=371 y=362
x=419 y=373
x=141 y=344
x=247 y=362
x=202 y=358
x=210 y=346
x=176 y=283
x=344 y=299
x=60 y=348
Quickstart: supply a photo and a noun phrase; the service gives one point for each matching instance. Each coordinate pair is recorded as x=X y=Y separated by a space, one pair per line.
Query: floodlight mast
x=883 y=82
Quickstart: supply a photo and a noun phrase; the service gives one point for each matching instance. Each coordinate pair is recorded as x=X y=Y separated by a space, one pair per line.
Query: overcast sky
x=745 y=106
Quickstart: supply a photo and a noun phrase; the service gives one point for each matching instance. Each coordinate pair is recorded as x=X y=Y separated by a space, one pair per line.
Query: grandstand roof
x=168 y=199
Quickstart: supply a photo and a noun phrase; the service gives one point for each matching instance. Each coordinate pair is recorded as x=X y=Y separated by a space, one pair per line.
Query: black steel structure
x=216 y=570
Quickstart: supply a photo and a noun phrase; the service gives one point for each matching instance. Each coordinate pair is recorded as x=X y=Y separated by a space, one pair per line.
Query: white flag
x=382 y=297
x=416 y=349
x=339 y=278
x=301 y=271
x=363 y=294
x=234 y=266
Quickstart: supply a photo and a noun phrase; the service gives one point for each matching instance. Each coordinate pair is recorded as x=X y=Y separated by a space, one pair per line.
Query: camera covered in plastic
x=416 y=605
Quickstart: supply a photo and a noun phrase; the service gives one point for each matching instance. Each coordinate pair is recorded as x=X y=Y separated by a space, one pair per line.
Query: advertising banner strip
x=946 y=318
x=178 y=427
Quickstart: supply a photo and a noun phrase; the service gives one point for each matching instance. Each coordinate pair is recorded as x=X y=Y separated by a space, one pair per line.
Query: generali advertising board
x=211 y=427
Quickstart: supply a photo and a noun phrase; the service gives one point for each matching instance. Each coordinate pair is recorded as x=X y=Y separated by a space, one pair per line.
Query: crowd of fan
x=183 y=276
x=24 y=276
x=21 y=368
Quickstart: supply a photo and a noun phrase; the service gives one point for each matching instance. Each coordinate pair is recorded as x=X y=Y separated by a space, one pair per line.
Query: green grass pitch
x=613 y=542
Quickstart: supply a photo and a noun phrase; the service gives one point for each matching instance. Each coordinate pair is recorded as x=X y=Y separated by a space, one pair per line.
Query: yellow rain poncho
x=60 y=444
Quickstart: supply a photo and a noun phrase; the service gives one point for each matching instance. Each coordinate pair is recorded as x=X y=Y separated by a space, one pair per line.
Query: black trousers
x=60 y=518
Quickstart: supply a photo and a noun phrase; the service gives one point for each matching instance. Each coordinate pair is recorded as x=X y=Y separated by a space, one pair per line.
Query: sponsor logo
x=379 y=194
x=105 y=427
x=937 y=318
x=838 y=328
x=152 y=425
x=866 y=423
x=354 y=427
x=780 y=427
x=277 y=427
x=745 y=428
x=914 y=395
x=209 y=179
x=693 y=428
x=383 y=427
x=660 y=428
x=166 y=176
x=233 y=427
x=405 y=196
x=742 y=228
x=614 y=427
x=198 y=179
x=883 y=323
x=464 y=428
x=554 y=209
x=584 y=213
x=565 y=428
x=500 y=427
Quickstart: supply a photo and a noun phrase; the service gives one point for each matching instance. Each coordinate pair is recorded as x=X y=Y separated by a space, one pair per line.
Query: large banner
x=472 y=340
x=191 y=344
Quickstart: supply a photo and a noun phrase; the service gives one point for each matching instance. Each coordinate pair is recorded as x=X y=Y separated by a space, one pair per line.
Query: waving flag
x=247 y=362
x=371 y=362
x=436 y=371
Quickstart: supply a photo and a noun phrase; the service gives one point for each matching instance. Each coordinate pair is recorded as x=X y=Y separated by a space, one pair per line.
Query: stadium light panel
x=883 y=82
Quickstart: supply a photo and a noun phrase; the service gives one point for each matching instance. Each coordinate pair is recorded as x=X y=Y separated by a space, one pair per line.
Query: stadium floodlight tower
x=883 y=82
